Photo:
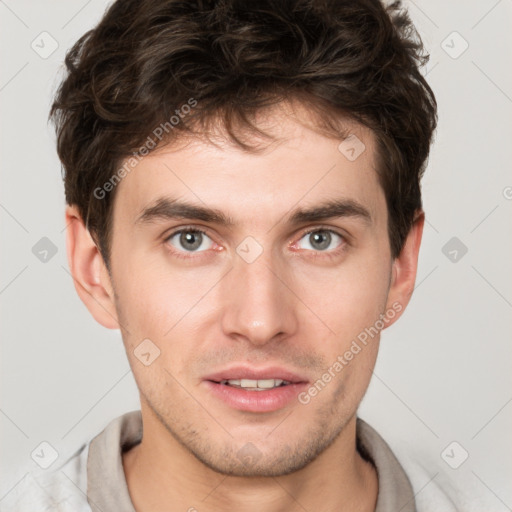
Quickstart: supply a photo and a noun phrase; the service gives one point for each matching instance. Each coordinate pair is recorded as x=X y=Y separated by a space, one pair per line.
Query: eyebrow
x=166 y=208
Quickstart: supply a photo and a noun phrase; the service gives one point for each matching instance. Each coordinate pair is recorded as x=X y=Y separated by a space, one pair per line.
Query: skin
x=294 y=306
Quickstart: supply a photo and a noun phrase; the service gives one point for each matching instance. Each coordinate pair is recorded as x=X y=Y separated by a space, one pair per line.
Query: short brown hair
x=146 y=59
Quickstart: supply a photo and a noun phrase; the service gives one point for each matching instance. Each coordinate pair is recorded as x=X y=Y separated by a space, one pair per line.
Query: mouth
x=256 y=390
x=255 y=385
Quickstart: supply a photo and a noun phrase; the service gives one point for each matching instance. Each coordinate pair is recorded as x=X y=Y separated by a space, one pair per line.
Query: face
x=267 y=290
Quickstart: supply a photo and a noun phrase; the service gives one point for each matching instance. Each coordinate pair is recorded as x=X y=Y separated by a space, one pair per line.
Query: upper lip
x=247 y=372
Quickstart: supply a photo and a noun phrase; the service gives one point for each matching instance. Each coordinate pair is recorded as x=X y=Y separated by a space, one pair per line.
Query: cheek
x=150 y=293
x=162 y=303
x=153 y=315
x=348 y=298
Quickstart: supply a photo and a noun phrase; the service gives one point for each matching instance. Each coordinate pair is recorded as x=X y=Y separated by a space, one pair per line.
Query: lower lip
x=256 y=401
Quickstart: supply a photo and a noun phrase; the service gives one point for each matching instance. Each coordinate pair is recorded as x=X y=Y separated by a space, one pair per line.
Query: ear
x=90 y=274
x=403 y=271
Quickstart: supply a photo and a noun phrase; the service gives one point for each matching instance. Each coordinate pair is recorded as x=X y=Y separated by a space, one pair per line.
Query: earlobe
x=90 y=275
x=403 y=272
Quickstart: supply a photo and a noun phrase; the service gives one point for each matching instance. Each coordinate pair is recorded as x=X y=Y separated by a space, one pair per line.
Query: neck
x=162 y=475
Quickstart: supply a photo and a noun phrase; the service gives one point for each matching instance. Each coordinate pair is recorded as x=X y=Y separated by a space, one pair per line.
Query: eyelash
x=316 y=254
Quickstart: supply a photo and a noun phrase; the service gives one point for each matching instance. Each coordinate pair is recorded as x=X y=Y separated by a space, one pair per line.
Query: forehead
x=301 y=168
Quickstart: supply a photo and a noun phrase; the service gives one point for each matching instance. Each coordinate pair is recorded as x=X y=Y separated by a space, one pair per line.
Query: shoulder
x=66 y=488
x=440 y=488
x=434 y=486
x=63 y=489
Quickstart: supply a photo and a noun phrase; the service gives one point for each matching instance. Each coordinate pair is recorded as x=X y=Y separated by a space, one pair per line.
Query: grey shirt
x=107 y=489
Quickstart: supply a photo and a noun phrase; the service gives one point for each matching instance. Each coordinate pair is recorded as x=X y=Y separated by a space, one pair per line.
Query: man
x=243 y=189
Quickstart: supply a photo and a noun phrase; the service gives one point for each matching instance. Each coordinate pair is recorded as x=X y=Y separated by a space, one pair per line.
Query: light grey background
x=444 y=370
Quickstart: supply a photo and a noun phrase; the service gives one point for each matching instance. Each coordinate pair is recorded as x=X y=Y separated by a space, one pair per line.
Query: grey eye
x=321 y=239
x=190 y=240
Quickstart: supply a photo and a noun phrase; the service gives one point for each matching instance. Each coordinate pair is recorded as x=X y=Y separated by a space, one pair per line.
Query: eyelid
x=322 y=228
x=173 y=231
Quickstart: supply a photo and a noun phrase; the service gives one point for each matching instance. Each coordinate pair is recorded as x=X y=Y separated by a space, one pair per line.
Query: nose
x=259 y=304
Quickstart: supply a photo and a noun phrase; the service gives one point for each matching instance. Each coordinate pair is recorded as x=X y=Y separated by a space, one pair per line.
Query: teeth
x=255 y=385
x=269 y=383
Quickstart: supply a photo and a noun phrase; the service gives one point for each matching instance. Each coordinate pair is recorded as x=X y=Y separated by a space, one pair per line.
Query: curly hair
x=229 y=59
